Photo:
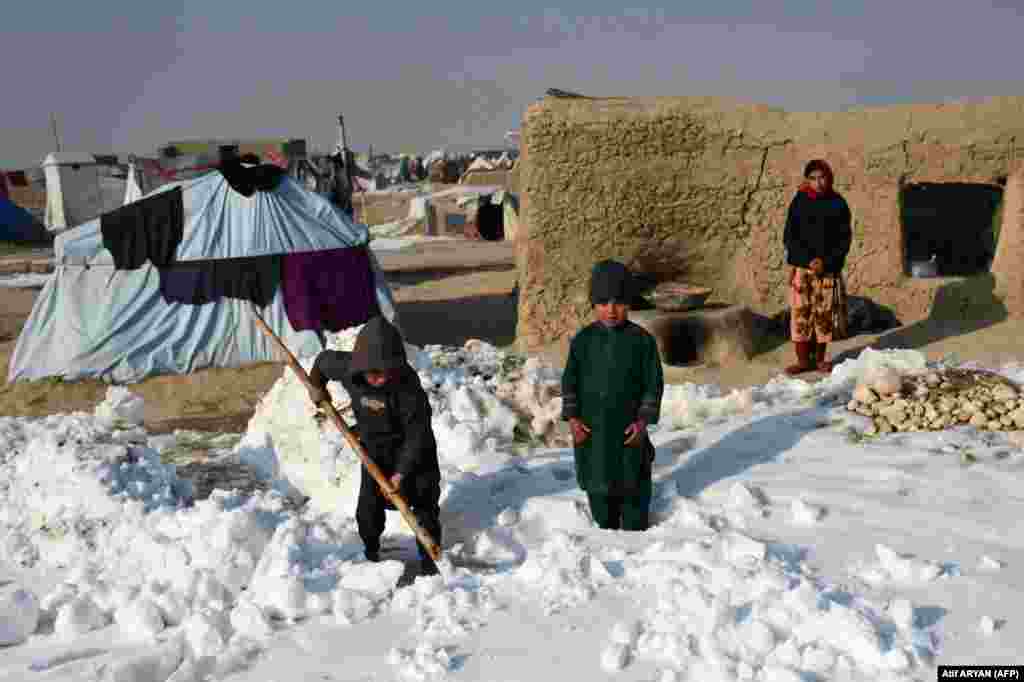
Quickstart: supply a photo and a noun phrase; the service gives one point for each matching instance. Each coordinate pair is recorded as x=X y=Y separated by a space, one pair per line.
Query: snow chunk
x=351 y=607
x=805 y=514
x=140 y=619
x=79 y=616
x=987 y=563
x=376 y=580
x=625 y=633
x=121 y=405
x=157 y=663
x=988 y=626
x=893 y=567
x=424 y=663
x=207 y=633
x=19 y=615
x=614 y=657
x=902 y=613
x=248 y=619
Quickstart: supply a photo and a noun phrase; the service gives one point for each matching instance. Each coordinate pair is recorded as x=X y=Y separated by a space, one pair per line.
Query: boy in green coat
x=611 y=392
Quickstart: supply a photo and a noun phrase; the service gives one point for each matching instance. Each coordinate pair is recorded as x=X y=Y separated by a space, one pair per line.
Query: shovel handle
x=393 y=496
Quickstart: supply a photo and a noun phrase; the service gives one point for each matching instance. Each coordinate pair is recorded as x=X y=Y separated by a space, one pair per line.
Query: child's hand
x=817 y=266
x=635 y=431
x=580 y=431
x=396 y=482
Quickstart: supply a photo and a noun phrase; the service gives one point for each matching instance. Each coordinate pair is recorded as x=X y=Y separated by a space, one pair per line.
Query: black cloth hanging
x=255 y=279
x=246 y=181
x=149 y=229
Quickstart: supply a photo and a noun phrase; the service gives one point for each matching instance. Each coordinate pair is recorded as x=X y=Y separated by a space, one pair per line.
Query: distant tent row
x=80 y=187
x=166 y=284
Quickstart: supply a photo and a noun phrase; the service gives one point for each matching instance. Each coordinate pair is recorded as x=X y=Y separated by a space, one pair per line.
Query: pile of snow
x=194 y=590
x=207 y=580
x=30 y=280
x=727 y=608
x=482 y=400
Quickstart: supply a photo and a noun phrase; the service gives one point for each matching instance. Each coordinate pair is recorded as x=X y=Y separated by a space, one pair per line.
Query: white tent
x=79 y=188
x=92 y=320
x=132 y=187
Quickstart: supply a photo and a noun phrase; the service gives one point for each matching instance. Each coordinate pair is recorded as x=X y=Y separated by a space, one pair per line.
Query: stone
x=886 y=382
x=1003 y=392
x=863 y=393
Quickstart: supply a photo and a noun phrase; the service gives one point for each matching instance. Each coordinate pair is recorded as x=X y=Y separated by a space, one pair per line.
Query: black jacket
x=392 y=421
x=818 y=228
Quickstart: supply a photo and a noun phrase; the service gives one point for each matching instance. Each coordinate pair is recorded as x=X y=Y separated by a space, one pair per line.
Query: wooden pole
x=53 y=124
x=392 y=495
x=344 y=155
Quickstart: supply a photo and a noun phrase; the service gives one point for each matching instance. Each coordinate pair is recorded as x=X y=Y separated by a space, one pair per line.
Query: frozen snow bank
x=25 y=281
x=19 y=615
x=84 y=495
x=725 y=607
x=486 y=404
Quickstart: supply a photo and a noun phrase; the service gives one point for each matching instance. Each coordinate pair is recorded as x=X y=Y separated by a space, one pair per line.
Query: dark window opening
x=956 y=225
x=490 y=222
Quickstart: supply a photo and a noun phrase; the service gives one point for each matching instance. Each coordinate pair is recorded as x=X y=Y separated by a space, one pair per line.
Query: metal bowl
x=678 y=296
x=924 y=268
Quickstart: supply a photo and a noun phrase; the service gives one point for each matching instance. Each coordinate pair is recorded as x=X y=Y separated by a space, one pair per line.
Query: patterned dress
x=817 y=305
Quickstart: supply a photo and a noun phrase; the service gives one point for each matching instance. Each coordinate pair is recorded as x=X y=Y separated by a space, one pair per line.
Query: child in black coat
x=393 y=422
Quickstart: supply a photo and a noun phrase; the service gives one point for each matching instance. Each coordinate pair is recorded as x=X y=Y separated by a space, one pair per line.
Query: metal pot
x=924 y=268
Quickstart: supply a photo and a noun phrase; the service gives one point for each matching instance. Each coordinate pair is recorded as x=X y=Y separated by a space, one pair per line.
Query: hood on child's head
x=610 y=281
x=379 y=347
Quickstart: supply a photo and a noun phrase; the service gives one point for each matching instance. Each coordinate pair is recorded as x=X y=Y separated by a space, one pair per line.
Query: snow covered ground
x=788 y=545
x=24 y=281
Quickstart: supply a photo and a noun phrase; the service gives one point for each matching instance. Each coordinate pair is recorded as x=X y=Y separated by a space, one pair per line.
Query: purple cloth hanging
x=329 y=290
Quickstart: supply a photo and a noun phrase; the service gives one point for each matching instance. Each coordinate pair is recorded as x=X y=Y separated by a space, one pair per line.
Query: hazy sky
x=129 y=76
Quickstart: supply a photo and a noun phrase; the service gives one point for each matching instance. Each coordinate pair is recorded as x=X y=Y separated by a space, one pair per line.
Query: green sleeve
x=654 y=383
x=570 y=384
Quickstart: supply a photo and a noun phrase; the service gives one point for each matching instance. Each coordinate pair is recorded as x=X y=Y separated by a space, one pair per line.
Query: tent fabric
x=93 y=321
x=133 y=185
x=79 y=188
x=221 y=223
x=134 y=332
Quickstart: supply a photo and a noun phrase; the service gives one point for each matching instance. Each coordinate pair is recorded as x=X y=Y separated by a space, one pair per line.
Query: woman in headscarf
x=817 y=239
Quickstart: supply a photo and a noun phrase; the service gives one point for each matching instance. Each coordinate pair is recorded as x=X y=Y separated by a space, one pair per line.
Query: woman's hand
x=580 y=431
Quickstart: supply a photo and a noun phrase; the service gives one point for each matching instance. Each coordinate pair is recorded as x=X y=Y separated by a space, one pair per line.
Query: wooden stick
x=391 y=494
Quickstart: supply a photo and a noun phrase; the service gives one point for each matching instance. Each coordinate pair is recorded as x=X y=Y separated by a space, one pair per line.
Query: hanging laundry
x=329 y=290
x=247 y=181
x=253 y=279
x=149 y=229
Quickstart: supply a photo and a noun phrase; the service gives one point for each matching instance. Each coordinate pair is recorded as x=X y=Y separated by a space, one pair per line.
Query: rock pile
x=938 y=399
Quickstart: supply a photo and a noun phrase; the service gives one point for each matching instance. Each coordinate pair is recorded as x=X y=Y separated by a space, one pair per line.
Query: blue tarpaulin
x=94 y=321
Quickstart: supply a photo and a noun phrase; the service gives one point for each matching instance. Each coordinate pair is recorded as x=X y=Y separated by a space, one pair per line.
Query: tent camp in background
x=80 y=187
x=166 y=285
